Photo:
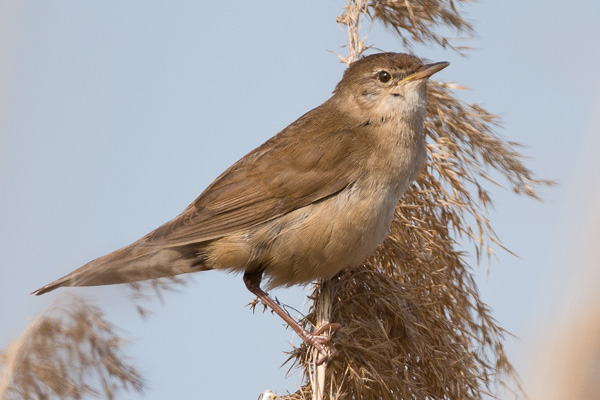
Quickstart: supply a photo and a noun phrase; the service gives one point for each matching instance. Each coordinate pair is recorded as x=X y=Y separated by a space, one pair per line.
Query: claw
x=327 y=356
x=321 y=342
x=334 y=326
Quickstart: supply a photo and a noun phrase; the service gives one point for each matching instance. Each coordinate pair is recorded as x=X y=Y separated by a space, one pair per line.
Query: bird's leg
x=252 y=281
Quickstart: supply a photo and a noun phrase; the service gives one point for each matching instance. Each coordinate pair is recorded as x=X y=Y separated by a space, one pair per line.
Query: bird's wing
x=301 y=165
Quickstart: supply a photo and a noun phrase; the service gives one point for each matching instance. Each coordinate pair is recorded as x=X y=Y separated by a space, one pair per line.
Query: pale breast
x=320 y=240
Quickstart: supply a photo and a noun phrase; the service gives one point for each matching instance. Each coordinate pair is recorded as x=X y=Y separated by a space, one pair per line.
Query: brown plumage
x=314 y=199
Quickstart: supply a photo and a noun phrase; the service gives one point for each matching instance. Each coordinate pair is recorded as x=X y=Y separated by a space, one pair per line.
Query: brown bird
x=314 y=199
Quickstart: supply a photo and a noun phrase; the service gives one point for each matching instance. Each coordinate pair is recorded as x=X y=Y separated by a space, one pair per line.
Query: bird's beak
x=426 y=71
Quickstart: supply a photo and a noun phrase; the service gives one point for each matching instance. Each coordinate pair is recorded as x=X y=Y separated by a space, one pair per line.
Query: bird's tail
x=133 y=263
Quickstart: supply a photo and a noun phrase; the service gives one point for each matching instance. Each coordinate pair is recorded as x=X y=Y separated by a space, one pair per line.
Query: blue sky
x=116 y=115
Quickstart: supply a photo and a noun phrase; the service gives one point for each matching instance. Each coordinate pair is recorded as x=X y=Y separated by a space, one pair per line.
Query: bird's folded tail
x=133 y=263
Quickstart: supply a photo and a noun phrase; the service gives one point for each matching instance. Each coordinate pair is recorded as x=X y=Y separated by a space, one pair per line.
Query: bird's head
x=387 y=84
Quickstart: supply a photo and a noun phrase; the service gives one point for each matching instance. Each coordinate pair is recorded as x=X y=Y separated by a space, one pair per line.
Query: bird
x=314 y=199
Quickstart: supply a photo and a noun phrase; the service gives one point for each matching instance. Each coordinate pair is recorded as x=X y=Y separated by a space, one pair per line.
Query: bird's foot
x=315 y=339
x=321 y=342
x=334 y=326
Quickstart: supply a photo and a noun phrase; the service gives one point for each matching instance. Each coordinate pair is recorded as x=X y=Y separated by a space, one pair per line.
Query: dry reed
x=417 y=21
x=69 y=352
x=413 y=323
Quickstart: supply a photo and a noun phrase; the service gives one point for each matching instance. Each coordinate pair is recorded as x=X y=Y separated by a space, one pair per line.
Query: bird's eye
x=384 y=76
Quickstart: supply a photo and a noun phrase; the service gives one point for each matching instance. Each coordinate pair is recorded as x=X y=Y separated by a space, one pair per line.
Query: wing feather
x=301 y=165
